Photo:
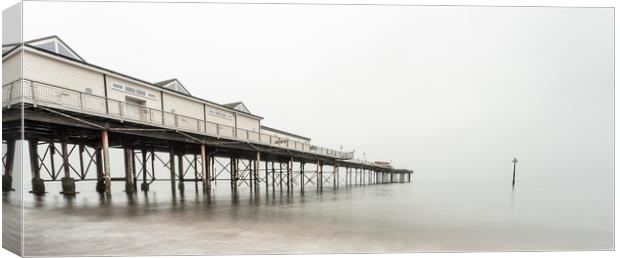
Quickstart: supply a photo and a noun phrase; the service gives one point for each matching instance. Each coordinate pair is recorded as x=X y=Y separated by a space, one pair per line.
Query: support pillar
x=181 y=171
x=318 y=175
x=145 y=185
x=133 y=170
x=172 y=173
x=206 y=178
x=256 y=170
x=106 y=163
x=38 y=187
x=335 y=175
x=129 y=183
x=7 y=177
x=67 y=182
x=280 y=175
x=100 y=187
x=302 y=176
x=195 y=160
x=233 y=172
x=266 y=175
x=290 y=173
x=273 y=176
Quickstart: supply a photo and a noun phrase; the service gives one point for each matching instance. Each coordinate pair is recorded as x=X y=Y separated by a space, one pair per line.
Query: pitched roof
x=57 y=46
x=162 y=83
x=82 y=62
x=175 y=85
x=233 y=105
x=239 y=106
x=285 y=133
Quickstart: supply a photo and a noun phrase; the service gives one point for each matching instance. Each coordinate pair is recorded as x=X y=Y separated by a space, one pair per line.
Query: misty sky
x=452 y=92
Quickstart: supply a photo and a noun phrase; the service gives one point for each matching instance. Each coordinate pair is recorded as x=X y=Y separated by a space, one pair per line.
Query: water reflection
x=433 y=216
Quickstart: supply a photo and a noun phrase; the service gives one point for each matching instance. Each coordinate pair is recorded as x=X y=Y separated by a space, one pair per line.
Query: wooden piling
x=133 y=170
x=280 y=175
x=206 y=180
x=106 y=162
x=181 y=172
x=172 y=168
x=129 y=183
x=100 y=187
x=266 y=175
x=289 y=170
x=273 y=177
x=67 y=182
x=38 y=187
x=145 y=185
x=302 y=176
x=7 y=177
x=256 y=170
x=195 y=165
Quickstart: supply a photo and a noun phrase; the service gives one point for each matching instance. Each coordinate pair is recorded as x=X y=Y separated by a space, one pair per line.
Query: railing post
x=32 y=91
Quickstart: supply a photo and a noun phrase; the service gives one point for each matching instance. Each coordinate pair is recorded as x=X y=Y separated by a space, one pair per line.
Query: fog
x=452 y=92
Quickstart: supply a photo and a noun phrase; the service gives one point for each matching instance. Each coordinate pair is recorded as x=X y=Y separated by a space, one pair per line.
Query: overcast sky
x=452 y=92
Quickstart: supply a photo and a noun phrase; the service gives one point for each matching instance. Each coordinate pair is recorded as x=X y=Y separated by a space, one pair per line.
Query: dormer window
x=175 y=85
x=55 y=45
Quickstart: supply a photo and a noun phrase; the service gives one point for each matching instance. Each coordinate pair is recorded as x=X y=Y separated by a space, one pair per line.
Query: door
x=136 y=108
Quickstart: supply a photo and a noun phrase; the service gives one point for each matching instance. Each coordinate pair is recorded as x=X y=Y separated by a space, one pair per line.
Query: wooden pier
x=52 y=130
x=69 y=114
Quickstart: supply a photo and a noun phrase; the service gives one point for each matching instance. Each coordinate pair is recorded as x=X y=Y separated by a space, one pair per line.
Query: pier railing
x=58 y=97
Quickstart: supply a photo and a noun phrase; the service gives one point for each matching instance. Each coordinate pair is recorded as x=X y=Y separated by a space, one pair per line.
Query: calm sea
x=407 y=217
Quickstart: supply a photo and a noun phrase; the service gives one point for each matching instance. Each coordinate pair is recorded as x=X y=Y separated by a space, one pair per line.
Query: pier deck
x=87 y=125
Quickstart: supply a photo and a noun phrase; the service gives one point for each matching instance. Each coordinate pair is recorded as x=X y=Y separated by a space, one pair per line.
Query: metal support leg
x=206 y=179
x=7 y=177
x=133 y=170
x=68 y=183
x=100 y=187
x=38 y=187
x=129 y=183
x=302 y=175
x=266 y=176
x=181 y=171
x=145 y=185
x=256 y=170
x=106 y=163
x=172 y=173
x=290 y=177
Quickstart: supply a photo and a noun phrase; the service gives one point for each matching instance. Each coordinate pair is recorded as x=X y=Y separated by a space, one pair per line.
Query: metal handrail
x=56 y=96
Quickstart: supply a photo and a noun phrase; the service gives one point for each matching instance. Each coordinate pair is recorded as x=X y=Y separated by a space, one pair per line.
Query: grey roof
x=44 y=38
x=233 y=105
x=165 y=82
x=285 y=133
x=114 y=72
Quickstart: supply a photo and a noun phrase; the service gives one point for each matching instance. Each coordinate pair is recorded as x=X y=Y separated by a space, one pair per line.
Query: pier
x=68 y=133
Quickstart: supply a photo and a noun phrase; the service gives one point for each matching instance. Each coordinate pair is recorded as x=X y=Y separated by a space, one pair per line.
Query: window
x=88 y=90
x=49 y=46
x=134 y=90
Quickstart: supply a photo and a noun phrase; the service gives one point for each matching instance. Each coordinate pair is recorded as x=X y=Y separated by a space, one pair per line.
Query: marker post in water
x=514 y=168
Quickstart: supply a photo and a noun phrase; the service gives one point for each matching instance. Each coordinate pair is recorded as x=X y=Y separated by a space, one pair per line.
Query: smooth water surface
x=402 y=217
